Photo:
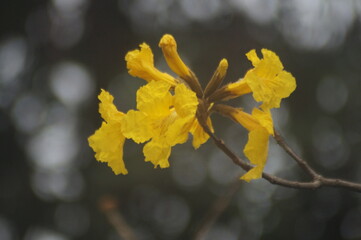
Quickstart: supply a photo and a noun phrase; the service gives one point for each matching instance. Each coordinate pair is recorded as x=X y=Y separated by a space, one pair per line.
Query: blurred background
x=56 y=55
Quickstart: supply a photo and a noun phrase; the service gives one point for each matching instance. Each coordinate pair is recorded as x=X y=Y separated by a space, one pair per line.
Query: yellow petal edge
x=107 y=142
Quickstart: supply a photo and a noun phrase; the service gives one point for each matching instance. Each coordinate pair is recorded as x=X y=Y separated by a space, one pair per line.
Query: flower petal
x=107 y=142
x=267 y=80
x=178 y=131
x=157 y=152
x=283 y=85
x=252 y=56
x=248 y=121
x=185 y=101
x=237 y=89
x=107 y=109
x=154 y=99
x=136 y=125
x=199 y=135
x=264 y=118
x=256 y=150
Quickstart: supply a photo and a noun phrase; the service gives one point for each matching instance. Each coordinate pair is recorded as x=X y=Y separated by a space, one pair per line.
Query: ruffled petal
x=256 y=150
x=252 y=56
x=107 y=109
x=178 y=131
x=107 y=142
x=157 y=152
x=267 y=80
x=140 y=64
x=269 y=66
x=137 y=126
x=283 y=85
x=185 y=101
x=154 y=99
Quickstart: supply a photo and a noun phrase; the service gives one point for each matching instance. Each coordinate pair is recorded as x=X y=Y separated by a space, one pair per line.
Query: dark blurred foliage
x=56 y=55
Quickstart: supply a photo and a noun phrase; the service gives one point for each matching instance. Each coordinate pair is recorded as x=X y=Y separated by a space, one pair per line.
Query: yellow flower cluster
x=169 y=108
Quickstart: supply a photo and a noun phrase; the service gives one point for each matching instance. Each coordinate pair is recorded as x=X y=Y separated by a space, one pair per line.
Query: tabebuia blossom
x=169 y=109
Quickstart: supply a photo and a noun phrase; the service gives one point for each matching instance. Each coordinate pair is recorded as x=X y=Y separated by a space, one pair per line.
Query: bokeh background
x=56 y=55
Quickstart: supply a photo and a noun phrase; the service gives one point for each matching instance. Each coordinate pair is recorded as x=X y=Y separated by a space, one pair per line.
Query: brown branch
x=317 y=179
x=331 y=182
x=302 y=163
x=222 y=202
x=339 y=183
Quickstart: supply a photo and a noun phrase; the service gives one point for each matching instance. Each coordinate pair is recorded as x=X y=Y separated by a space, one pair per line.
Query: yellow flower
x=169 y=108
x=140 y=64
x=162 y=119
x=107 y=142
x=267 y=80
x=260 y=127
x=269 y=84
x=157 y=103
